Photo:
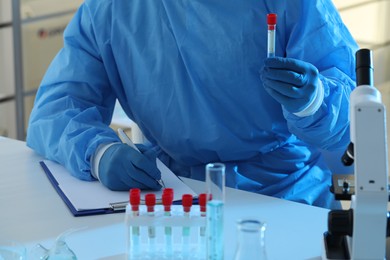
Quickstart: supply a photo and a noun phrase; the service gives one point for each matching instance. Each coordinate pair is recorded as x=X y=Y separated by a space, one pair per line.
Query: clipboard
x=85 y=198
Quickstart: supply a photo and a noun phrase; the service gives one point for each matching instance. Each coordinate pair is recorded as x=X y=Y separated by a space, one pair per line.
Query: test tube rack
x=148 y=237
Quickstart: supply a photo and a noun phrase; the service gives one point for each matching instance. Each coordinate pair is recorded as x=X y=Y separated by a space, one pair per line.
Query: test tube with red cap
x=150 y=202
x=135 y=201
x=187 y=204
x=202 y=205
x=202 y=199
x=167 y=199
x=271 y=23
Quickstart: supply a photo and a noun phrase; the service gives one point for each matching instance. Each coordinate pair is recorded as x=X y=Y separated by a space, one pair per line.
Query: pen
x=128 y=141
x=121 y=205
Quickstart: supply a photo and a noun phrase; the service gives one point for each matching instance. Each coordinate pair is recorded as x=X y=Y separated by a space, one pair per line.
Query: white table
x=32 y=212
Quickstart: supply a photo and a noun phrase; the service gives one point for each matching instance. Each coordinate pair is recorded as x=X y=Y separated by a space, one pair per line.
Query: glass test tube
x=135 y=200
x=271 y=22
x=187 y=203
x=150 y=201
x=202 y=231
x=215 y=184
x=167 y=198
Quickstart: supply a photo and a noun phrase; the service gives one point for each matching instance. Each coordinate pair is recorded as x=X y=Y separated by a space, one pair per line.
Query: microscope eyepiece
x=348 y=157
x=364 y=76
x=364 y=68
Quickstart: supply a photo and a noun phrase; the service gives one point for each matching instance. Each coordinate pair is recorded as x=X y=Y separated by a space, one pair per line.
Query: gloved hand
x=122 y=167
x=293 y=83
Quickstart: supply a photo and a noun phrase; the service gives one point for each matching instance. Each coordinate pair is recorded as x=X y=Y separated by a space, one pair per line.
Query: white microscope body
x=369 y=204
x=362 y=229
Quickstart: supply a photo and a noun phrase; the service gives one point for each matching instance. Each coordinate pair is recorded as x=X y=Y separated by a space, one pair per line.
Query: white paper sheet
x=85 y=195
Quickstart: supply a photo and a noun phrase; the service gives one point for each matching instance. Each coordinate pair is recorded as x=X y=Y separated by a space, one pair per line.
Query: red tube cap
x=202 y=202
x=150 y=201
x=135 y=198
x=168 y=191
x=167 y=199
x=187 y=202
x=271 y=19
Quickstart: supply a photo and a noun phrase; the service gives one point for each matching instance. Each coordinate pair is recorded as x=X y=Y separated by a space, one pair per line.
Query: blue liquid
x=214 y=228
x=168 y=238
x=135 y=244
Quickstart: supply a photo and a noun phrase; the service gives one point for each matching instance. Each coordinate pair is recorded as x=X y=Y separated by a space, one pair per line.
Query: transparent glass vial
x=251 y=240
x=215 y=185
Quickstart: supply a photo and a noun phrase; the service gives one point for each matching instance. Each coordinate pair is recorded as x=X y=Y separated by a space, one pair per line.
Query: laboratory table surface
x=32 y=212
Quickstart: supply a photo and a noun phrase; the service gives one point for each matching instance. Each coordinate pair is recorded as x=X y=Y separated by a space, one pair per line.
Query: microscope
x=361 y=231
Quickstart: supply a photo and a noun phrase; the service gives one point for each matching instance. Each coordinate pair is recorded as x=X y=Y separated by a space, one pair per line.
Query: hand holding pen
x=123 y=167
x=128 y=141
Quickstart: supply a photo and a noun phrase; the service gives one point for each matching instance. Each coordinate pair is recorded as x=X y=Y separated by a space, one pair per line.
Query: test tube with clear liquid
x=215 y=185
x=271 y=23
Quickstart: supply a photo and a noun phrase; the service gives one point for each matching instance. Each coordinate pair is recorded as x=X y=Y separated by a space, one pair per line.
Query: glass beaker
x=12 y=250
x=215 y=186
x=251 y=240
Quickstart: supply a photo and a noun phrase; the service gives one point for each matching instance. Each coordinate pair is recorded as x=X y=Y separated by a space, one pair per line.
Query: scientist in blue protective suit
x=194 y=75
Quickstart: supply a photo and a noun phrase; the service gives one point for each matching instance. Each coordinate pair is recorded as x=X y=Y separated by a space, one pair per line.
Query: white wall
x=5 y=11
x=368 y=22
x=7 y=85
x=50 y=16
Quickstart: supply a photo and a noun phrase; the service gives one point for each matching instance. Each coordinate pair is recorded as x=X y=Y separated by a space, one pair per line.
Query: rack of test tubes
x=163 y=230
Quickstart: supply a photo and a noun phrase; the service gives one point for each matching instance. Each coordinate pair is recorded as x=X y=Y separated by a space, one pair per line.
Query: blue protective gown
x=187 y=72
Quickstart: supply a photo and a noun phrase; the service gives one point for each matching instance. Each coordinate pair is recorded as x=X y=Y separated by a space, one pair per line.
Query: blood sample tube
x=202 y=230
x=271 y=22
x=167 y=198
x=135 y=200
x=150 y=202
x=202 y=204
x=187 y=204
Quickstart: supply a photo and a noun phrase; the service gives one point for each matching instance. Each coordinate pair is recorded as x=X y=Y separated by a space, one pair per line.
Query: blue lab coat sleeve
x=74 y=103
x=328 y=45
